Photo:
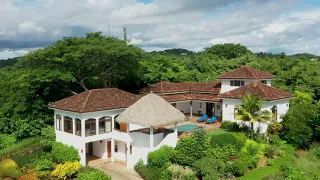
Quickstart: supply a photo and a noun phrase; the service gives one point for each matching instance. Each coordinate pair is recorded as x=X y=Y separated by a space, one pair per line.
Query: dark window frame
x=90 y=121
x=78 y=126
x=237 y=83
x=105 y=120
x=58 y=125
x=68 y=124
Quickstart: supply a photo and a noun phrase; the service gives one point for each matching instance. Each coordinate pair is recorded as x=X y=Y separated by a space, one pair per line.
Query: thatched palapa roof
x=151 y=110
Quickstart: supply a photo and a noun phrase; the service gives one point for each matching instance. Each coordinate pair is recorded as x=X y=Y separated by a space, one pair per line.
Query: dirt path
x=119 y=172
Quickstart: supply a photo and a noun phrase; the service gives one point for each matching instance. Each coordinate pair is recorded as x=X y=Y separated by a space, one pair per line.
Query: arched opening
x=274 y=111
x=78 y=126
x=58 y=122
x=68 y=126
x=90 y=127
x=105 y=124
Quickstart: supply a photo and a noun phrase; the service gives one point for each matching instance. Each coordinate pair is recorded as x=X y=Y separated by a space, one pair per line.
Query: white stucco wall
x=225 y=83
x=229 y=104
x=121 y=154
x=183 y=106
x=199 y=106
x=100 y=149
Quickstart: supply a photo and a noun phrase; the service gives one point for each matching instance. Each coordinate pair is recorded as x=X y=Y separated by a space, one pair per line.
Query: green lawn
x=218 y=131
x=272 y=169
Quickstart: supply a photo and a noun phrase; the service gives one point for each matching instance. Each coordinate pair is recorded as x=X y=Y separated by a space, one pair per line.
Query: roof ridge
x=259 y=84
x=251 y=71
x=85 y=102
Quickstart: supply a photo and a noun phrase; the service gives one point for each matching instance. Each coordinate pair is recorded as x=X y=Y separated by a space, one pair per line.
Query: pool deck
x=193 y=120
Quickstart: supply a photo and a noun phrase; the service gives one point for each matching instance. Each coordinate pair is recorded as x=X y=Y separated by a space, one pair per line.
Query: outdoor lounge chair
x=212 y=120
x=203 y=118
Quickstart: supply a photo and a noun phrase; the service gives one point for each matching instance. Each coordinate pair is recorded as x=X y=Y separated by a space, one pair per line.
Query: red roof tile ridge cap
x=85 y=102
x=251 y=71
x=259 y=84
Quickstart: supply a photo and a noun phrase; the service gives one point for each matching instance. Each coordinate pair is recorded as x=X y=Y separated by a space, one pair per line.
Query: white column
x=151 y=137
x=73 y=126
x=83 y=128
x=62 y=123
x=82 y=153
x=128 y=152
x=191 y=109
x=128 y=130
x=97 y=126
x=112 y=150
x=112 y=123
x=176 y=129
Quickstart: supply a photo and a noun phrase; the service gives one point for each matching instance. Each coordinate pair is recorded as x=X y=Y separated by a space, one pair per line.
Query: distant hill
x=8 y=62
x=175 y=51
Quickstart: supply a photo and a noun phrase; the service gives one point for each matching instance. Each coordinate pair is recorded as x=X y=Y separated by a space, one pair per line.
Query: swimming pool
x=187 y=127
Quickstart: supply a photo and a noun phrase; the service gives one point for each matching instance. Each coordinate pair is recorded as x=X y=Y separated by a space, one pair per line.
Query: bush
x=236 y=167
x=191 y=148
x=161 y=157
x=271 y=151
x=206 y=167
x=24 y=145
x=231 y=126
x=224 y=153
x=227 y=139
x=42 y=165
x=66 y=170
x=8 y=168
x=48 y=138
x=275 y=128
x=32 y=159
x=93 y=174
x=7 y=140
x=178 y=172
x=63 y=153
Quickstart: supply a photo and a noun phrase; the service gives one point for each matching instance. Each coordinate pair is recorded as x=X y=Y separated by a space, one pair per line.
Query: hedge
x=21 y=147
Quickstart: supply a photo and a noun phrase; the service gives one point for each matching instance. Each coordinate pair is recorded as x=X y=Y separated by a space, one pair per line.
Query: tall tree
x=229 y=50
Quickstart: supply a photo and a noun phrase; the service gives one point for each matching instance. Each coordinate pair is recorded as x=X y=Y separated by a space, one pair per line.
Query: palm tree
x=251 y=110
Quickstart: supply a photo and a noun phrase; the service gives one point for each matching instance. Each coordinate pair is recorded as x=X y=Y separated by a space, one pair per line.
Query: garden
x=230 y=154
x=41 y=158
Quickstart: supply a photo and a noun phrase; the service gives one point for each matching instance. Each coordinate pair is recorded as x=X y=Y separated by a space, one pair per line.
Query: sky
x=290 y=26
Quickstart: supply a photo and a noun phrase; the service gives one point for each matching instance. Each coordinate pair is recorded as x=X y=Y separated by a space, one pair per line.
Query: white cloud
x=27 y=27
x=8 y=53
x=260 y=25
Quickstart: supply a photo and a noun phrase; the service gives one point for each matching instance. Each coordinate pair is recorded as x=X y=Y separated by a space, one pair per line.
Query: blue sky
x=291 y=26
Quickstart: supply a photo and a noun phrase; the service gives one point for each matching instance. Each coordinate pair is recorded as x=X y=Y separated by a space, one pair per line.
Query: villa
x=111 y=123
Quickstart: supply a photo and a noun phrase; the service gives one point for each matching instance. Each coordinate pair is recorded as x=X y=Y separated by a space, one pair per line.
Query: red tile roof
x=263 y=91
x=245 y=72
x=171 y=87
x=96 y=100
x=189 y=97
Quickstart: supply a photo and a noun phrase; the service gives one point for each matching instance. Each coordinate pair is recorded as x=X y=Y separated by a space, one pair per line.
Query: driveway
x=118 y=171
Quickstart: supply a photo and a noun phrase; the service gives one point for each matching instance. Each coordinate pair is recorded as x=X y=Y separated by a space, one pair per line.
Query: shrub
x=231 y=126
x=63 y=153
x=24 y=145
x=8 y=168
x=44 y=164
x=93 y=174
x=160 y=158
x=67 y=169
x=191 y=148
x=205 y=167
x=178 y=172
x=223 y=152
x=275 y=128
x=48 y=138
x=271 y=151
x=7 y=140
x=236 y=167
x=226 y=139
x=32 y=159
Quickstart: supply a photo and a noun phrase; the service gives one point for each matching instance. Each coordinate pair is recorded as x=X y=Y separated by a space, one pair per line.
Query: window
x=68 y=126
x=274 y=111
x=264 y=81
x=58 y=122
x=116 y=147
x=90 y=127
x=105 y=125
x=236 y=83
x=78 y=127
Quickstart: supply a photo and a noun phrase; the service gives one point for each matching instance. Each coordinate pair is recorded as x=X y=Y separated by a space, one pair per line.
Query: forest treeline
x=74 y=64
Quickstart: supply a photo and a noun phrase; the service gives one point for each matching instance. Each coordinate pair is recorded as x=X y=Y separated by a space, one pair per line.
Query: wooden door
x=109 y=148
